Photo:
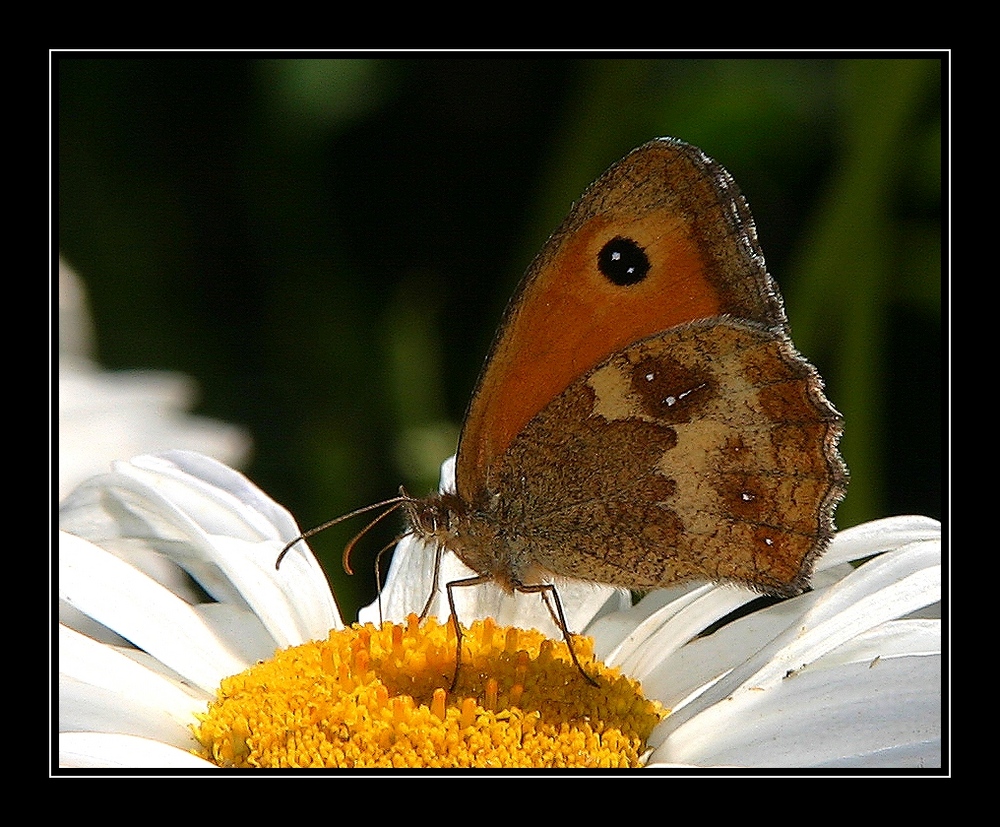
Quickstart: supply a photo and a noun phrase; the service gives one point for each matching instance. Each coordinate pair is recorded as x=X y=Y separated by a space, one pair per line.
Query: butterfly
x=642 y=418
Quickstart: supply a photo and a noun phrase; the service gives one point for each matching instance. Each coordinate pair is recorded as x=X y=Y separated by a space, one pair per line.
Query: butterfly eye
x=622 y=261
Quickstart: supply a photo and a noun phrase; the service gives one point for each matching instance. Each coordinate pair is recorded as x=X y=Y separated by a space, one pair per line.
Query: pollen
x=372 y=696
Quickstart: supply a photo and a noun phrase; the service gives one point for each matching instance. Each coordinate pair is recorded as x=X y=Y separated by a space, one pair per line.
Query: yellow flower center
x=377 y=697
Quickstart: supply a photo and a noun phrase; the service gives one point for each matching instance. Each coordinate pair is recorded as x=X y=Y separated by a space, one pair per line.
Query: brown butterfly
x=643 y=418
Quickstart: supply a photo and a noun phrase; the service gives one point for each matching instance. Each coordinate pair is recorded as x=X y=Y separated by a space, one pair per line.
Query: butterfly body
x=643 y=418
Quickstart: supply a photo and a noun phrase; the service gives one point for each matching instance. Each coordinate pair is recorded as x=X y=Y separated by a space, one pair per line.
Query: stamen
x=372 y=697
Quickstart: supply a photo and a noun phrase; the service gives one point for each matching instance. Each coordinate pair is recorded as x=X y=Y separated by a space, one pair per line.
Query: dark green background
x=326 y=245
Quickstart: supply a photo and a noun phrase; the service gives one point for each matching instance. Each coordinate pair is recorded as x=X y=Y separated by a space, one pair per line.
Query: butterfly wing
x=707 y=452
x=686 y=215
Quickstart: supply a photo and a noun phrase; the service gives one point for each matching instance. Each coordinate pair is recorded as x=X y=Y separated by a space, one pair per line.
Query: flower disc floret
x=372 y=696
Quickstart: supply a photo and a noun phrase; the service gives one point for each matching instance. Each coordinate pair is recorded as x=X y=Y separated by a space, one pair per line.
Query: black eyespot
x=622 y=261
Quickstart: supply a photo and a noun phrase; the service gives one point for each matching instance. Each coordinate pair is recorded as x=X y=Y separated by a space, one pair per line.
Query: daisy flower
x=181 y=646
x=105 y=415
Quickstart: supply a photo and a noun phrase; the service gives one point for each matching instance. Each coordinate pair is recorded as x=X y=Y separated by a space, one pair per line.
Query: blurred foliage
x=327 y=245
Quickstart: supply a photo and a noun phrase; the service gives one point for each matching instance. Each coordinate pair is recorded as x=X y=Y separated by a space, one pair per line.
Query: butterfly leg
x=545 y=589
x=438 y=551
x=469 y=581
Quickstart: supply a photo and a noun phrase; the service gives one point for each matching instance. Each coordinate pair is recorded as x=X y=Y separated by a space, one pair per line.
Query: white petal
x=898 y=638
x=853 y=715
x=118 y=671
x=84 y=707
x=167 y=585
x=691 y=663
x=886 y=588
x=861 y=541
x=98 y=750
x=182 y=514
x=674 y=624
x=794 y=695
x=105 y=415
x=154 y=619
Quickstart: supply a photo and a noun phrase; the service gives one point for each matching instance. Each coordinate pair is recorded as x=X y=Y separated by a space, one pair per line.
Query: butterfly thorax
x=475 y=534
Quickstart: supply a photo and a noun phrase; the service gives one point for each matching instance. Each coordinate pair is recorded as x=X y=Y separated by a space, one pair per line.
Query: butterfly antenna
x=395 y=502
x=350 y=546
